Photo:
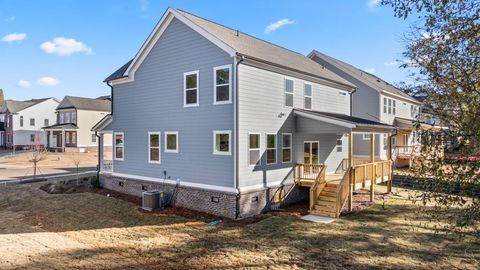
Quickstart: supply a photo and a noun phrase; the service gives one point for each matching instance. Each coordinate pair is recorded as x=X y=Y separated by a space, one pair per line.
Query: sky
x=53 y=48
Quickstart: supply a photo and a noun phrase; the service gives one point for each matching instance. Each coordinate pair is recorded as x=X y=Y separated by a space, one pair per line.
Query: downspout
x=235 y=111
x=351 y=101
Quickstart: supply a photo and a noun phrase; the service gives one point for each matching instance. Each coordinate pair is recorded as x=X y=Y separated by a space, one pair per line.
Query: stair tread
x=321 y=213
x=325 y=198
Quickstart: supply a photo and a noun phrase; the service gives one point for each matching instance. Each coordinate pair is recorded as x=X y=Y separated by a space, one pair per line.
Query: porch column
x=389 y=158
x=351 y=176
x=100 y=152
x=63 y=140
x=372 y=161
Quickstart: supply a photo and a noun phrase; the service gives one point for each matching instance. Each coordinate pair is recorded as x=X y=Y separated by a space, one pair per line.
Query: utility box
x=151 y=200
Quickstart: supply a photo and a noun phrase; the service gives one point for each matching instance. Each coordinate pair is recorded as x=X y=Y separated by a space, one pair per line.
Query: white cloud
x=65 y=46
x=143 y=5
x=48 y=81
x=373 y=3
x=370 y=70
x=14 y=37
x=24 y=84
x=274 y=26
x=9 y=19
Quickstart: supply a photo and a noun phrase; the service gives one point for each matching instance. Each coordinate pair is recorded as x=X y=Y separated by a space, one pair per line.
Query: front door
x=54 y=141
x=310 y=152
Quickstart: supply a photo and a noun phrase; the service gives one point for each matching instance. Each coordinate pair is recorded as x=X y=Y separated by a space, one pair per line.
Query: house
x=232 y=125
x=75 y=117
x=23 y=121
x=2 y=133
x=377 y=100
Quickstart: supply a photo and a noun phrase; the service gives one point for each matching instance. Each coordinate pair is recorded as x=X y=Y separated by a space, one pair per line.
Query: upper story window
x=32 y=122
x=289 y=91
x=414 y=111
x=67 y=118
x=254 y=149
x=307 y=96
x=366 y=136
x=94 y=138
x=171 y=141
x=45 y=122
x=222 y=87
x=190 y=87
x=21 y=121
x=154 y=147
x=119 y=146
x=389 y=106
x=271 y=148
x=61 y=118
x=339 y=145
x=221 y=142
x=286 y=147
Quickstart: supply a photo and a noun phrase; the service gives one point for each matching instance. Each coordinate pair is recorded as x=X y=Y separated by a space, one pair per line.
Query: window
x=394 y=107
x=21 y=121
x=32 y=137
x=74 y=137
x=289 y=90
x=171 y=141
x=394 y=141
x=222 y=91
x=271 y=148
x=385 y=138
x=286 y=147
x=339 y=145
x=67 y=117
x=254 y=149
x=45 y=122
x=74 y=117
x=94 y=138
x=190 y=89
x=366 y=136
x=221 y=142
x=32 y=122
x=384 y=105
x=62 y=118
x=154 y=147
x=307 y=96
x=389 y=106
x=67 y=137
x=119 y=146
x=414 y=111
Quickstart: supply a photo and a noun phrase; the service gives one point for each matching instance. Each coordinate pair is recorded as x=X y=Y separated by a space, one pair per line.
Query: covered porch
x=331 y=189
x=105 y=153
x=61 y=137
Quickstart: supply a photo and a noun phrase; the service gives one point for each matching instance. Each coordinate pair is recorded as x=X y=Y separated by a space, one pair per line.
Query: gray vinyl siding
x=361 y=147
x=154 y=102
x=261 y=110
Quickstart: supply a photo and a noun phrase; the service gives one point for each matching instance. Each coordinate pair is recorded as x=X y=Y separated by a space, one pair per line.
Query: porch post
x=372 y=160
x=100 y=152
x=389 y=158
x=63 y=140
x=350 y=163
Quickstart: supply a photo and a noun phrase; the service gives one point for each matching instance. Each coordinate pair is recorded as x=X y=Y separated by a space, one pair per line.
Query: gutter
x=235 y=111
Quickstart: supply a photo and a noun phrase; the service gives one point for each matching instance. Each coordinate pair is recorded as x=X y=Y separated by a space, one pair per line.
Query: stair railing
x=342 y=192
x=317 y=186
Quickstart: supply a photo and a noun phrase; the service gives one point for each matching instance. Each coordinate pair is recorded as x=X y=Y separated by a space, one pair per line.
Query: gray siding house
x=225 y=122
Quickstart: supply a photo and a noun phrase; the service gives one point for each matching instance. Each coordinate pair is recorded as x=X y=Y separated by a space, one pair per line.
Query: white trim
x=291 y=147
x=305 y=96
x=318 y=154
x=366 y=136
x=185 y=74
x=326 y=119
x=255 y=149
x=159 y=161
x=275 y=148
x=285 y=93
x=176 y=143
x=229 y=132
x=173 y=182
x=229 y=101
x=115 y=146
x=401 y=97
x=341 y=145
x=157 y=33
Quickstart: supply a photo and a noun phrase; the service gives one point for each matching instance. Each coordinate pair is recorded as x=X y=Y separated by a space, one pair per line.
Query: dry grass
x=54 y=159
x=91 y=231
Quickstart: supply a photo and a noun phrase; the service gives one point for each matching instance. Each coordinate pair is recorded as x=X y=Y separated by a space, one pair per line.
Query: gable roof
x=83 y=103
x=14 y=106
x=363 y=76
x=240 y=44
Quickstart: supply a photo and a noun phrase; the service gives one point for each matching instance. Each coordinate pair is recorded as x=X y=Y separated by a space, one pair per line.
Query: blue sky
x=54 y=48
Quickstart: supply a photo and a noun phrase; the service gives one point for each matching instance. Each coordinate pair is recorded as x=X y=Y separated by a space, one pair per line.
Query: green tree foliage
x=444 y=53
x=2 y=99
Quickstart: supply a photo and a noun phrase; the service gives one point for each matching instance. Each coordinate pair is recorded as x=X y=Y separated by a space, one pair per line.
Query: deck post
x=390 y=164
x=63 y=140
x=351 y=179
x=372 y=161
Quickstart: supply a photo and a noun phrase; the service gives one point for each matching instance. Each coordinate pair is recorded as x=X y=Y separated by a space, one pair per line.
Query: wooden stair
x=326 y=202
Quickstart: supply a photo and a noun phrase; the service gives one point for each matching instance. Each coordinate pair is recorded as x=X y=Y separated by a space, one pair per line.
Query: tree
x=444 y=51
x=76 y=159
x=2 y=98
x=37 y=154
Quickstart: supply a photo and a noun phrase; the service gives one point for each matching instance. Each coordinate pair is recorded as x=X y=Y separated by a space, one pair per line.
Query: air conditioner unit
x=152 y=200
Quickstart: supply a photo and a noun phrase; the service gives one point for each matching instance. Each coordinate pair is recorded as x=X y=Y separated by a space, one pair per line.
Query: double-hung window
x=32 y=122
x=67 y=118
x=153 y=147
x=21 y=121
x=389 y=106
x=253 y=149
x=190 y=87
x=222 y=85
x=171 y=141
x=366 y=136
x=62 y=117
x=307 y=96
x=384 y=105
x=394 y=107
x=286 y=147
x=271 y=148
x=45 y=122
x=119 y=146
x=339 y=145
x=289 y=91
x=221 y=142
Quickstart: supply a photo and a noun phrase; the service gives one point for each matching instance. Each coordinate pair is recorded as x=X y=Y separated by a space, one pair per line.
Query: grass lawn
x=92 y=231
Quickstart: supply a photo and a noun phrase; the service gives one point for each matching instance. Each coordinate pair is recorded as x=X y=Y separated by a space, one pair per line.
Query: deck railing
x=343 y=191
x=317 y=186
x=407 y=150
x=308 y=171
x=365 y=172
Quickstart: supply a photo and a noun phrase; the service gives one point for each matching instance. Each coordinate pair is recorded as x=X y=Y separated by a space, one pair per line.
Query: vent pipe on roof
x=237 y=33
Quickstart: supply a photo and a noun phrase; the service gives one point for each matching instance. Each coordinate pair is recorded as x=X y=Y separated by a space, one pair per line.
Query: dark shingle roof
x=15 y=106
x=346 y=118
x=83 y=103
x=363 y=76
x=118 y=73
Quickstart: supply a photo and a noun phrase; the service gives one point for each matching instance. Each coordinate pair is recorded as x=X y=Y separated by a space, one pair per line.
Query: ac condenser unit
x=151 y=200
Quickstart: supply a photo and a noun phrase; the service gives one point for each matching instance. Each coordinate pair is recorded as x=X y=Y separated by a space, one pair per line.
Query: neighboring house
x=230 y=124
x=378 y=100
x=2 y=133
x=74 y=120
x=23 y=121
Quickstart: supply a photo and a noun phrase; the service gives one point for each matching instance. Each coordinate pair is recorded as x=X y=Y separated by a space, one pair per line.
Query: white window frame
x=115 y=145
x=337 y=145
x=229 y=132
x=394 y=107
x=306 y=96
x=285 y=93
x=159 y=161
x=366 y=136
x=255 y=149
x=291 y=147
x=229 y=101
x=267 y=148
x=30 y=122
x=385 y=105
x=389 y=105
x=176 y=143
x=185 y=89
